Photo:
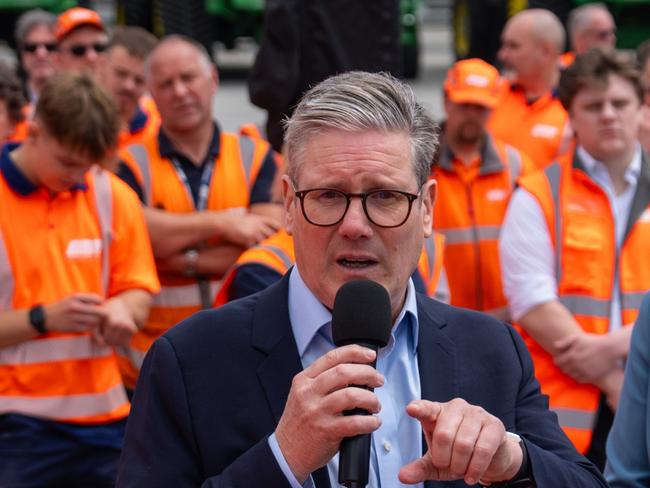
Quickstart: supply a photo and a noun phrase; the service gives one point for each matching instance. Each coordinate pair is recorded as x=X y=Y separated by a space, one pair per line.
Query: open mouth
x=356 y=263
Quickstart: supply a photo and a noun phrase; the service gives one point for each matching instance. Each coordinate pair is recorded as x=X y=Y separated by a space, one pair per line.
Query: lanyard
x=204 y=187
x=204 y=190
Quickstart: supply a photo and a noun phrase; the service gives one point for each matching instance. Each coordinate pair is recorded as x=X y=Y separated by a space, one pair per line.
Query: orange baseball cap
x=76 y=17
x=473 y=81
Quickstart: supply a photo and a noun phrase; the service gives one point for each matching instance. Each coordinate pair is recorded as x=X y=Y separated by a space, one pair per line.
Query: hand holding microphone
x=313 y=423
x=361 y=315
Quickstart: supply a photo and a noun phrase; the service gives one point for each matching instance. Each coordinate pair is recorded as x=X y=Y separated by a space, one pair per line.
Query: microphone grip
x=354 y=452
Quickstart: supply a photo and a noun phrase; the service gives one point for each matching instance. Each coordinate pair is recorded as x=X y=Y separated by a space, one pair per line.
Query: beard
x=470 y=133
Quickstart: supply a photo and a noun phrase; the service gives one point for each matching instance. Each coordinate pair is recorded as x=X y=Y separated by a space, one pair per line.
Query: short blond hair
x=80 y=114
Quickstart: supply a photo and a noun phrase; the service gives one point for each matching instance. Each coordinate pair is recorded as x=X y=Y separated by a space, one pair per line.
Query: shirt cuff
x=279 y=457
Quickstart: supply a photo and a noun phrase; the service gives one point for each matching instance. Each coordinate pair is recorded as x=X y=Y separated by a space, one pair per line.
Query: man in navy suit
x=252 y=394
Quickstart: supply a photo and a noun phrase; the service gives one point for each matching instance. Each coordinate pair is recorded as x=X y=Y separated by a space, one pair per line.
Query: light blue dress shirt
x=399 y=439
x=628 y=445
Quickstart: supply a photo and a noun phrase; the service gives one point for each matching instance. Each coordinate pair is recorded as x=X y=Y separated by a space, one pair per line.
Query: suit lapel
x=271 y=334
x=436 y=353
x=436 y=359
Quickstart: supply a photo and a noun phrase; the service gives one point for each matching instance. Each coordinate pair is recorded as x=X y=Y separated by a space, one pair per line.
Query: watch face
x=37 y=318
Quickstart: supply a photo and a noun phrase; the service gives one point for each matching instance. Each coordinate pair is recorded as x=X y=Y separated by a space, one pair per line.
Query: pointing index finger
x=425 y=411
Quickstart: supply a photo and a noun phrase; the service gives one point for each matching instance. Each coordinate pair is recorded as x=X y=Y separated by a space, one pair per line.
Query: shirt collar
x=167 y=149
x=308 y=314
x=592 y=165
x=15 y=178
x=139 y=120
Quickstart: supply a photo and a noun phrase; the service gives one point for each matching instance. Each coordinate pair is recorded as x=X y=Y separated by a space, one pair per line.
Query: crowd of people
x=512 y=239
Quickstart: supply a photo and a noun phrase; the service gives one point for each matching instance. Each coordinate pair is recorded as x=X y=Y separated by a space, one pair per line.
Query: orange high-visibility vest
x=252 y=130
x=469 y=210
x=277 y=253
x=537 y=129
x=66 y=376
x=22 y=128
x=581 y=225
x=235 y=171
x=431 y=267
x=567 y=59
x=150 y=128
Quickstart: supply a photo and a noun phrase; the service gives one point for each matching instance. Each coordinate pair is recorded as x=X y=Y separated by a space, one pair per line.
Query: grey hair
x=204 y=56
x=579 y=18
x=358 y=101
x=31 y=19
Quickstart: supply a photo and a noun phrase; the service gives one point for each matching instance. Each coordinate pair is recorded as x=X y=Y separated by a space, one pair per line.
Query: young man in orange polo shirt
x=76 y=277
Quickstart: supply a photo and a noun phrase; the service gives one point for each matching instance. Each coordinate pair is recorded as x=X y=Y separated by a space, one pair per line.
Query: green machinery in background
x=484 y=20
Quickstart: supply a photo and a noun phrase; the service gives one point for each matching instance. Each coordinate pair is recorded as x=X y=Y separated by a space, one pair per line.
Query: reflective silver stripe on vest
x=514 y=164
x=430 y=249
x=139 y=153
x=135 y=357
x=442 y=293
x=632 y=300
x=7 y=282
x=574 y=418
x=463 y=235
x=65 y=406
x=183 y=296
x=286 y=260
x=52 y=349
x=589 y=306
x=104 y=205
x=553 y=174
x=247 y=153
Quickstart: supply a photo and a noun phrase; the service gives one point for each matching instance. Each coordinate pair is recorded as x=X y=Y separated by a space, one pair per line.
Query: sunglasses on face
x=79 y=50
x=30 y=47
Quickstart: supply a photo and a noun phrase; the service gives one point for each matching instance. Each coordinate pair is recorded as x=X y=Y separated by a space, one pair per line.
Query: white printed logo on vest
x=544 y=131
x=576 y=207
x=496 y=195
x=83 y=248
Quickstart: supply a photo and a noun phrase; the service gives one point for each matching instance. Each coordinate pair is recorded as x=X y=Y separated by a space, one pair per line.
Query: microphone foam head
x=361 y=314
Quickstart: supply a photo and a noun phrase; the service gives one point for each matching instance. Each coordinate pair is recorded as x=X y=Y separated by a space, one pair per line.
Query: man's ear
x=429 y=192
x=289 y=197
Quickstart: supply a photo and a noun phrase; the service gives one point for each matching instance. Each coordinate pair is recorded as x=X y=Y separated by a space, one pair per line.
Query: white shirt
x=525 y=247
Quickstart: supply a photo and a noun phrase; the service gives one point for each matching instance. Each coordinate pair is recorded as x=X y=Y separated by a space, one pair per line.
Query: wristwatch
x=523 y=478
x=37 y=318
x=191 y=260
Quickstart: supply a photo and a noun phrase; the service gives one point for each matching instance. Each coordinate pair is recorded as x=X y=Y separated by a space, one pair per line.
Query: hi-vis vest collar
x=490 y=160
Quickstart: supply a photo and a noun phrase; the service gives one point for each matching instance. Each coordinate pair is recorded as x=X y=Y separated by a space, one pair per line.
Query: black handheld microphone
x=361 y=315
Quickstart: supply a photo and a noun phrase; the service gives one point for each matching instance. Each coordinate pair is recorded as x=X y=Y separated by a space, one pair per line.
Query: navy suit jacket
x=213 y=388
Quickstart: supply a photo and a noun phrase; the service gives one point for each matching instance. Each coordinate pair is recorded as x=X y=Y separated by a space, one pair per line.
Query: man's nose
x=180 y=88
x=355 y=223
x=608 y=110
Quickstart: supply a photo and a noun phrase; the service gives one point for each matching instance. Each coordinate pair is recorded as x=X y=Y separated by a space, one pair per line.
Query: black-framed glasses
x=325 y=207
x=79 y=50
x=32 y=47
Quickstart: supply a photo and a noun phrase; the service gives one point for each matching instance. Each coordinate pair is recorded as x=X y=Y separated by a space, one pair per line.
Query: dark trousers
x=36 y=454
x=604 y=419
